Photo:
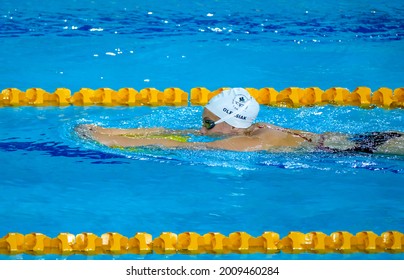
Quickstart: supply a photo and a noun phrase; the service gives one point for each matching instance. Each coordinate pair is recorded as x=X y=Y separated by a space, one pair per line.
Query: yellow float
x=289 y=97
x=114 y=243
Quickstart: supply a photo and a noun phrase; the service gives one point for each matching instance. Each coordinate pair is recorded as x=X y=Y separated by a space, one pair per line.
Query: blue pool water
x=52 y=181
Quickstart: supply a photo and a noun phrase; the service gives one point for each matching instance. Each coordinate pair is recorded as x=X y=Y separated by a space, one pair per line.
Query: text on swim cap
x=227 y=111
x=236 y=116
x=241 y=117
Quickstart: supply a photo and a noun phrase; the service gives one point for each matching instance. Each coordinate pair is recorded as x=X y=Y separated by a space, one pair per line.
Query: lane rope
x=210 y=243
x=290 y=97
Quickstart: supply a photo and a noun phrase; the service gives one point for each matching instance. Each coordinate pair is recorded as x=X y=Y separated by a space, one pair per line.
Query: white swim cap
x=234 y=106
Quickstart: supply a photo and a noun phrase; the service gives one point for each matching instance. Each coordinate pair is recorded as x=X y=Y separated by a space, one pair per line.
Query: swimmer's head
x=235 y=107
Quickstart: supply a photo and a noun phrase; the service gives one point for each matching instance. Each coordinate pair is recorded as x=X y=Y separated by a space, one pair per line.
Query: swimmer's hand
x=97 y=133
x=85 y=131
x=89 y=131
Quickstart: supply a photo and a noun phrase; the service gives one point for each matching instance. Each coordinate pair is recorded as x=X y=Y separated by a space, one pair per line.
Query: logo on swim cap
x=239 y=101
x=235 y=107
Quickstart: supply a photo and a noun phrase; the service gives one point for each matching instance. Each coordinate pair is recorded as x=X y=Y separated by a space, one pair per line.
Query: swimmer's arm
x=239 y=143
x=134 y=131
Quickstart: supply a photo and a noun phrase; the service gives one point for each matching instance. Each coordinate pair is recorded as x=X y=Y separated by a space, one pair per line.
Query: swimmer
x=231 y=115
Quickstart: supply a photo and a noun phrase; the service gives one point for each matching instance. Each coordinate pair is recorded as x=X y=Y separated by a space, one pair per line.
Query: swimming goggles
x=209 y=124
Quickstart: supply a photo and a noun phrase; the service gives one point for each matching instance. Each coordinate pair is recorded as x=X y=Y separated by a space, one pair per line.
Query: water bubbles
x=215 y=29
x=96 y=29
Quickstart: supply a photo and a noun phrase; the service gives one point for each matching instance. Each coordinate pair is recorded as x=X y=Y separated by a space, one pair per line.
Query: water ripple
x=59 y=149
x=276 y=27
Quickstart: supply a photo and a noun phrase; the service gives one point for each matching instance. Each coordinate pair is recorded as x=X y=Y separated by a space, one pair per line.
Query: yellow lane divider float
x=289 y=97
x=194 y=243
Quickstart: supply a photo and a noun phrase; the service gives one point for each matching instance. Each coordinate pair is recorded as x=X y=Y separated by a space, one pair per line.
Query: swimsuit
x=369 y=142
x=364 y=143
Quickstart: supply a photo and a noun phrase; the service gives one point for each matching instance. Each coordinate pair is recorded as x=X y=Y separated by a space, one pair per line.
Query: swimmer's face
x=218 y=129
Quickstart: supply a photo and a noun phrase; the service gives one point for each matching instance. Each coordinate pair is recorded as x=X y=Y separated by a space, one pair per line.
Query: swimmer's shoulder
x=263 y=129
